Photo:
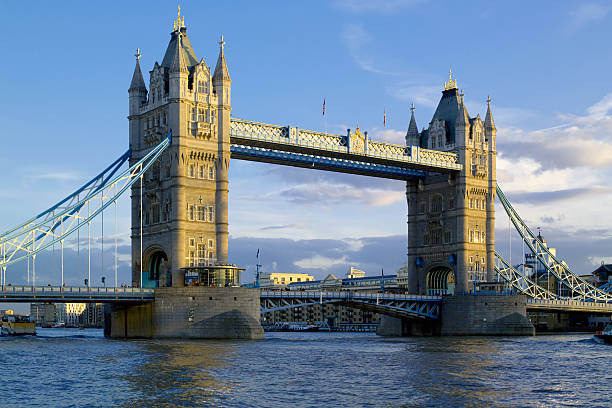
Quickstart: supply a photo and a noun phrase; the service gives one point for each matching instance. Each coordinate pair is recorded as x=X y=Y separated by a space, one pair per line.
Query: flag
x=257 y=253
x=323 y=106
x=384 y=117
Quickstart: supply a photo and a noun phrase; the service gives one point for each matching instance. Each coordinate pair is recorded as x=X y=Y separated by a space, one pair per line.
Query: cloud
x=588 y=13
x=335 y=193
x=357 y=39
x=320 y=262
x=542 y=197
x=374 y=6
x=420 y=95
x=286 y=226
x=598 y=260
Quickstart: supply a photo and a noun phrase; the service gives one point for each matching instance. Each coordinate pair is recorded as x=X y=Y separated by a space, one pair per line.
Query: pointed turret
x=489 y=124
x=412 y=136
x=178 y=63
x=138 y=90
x=462 y=116
x=137 y=79
x=221 y=71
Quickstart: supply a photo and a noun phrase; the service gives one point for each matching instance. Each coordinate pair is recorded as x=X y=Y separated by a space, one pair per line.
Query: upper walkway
x=74 y=294
x=349 y=154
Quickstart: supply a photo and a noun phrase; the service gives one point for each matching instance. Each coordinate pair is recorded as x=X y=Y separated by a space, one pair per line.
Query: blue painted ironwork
x=76 y=294
x=398 y=305
x=325 y=163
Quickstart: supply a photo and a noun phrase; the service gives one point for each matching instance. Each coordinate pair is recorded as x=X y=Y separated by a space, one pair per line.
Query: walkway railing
x=74 y=294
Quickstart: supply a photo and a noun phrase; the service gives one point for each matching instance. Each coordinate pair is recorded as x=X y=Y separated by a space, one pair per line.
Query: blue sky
x=67 y=66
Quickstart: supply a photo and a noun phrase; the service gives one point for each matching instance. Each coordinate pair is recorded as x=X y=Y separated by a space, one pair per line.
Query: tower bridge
x=182 y=138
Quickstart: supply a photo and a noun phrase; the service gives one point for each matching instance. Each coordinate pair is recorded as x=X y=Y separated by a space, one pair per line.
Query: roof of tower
x=448 y=110
x=184 y=45
x=463 y=118
x=413 y=130
x=489 y=124
x=221 y=71
x=137 y=79
x=178 y=63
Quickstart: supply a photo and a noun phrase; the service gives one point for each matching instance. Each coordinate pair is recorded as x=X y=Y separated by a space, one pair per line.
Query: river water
x=80 y=368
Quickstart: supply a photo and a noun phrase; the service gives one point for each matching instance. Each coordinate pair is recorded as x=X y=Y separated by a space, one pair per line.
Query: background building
x=43 y=313
x=276 y=280
x=69 y=313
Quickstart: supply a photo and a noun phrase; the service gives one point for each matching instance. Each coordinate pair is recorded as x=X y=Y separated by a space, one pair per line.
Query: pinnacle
x=221 y=71
x=137 y=79
x=178 y=63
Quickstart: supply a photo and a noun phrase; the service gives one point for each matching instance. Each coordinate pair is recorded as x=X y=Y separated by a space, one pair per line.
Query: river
x=80 y=368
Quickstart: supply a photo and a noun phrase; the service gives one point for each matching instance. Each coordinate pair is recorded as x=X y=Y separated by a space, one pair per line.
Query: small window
x=191 y=242
x=191 y=213
x=211 y=243
x=192 y=170
x=210 y=216
x=471 y=203
x=471 y=236
x=202 y=172
x=211 y=172
x=194 y=114
x=471 y=259
x=484 y=207
x=201 y=216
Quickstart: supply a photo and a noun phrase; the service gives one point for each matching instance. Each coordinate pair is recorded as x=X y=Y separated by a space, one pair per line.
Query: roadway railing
x=74 y=293
x=568 y=305
x=347 y=295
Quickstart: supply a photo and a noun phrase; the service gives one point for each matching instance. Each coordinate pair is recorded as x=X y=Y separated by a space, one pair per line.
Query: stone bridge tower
x=451 y=219
x=185 y=193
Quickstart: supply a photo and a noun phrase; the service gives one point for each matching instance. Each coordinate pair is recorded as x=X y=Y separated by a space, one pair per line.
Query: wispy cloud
x=588 y=13
x=424 y=95
x=320 y=262
x=336 y=193
x=357 y=39
x=286 y=226
x=374 y=6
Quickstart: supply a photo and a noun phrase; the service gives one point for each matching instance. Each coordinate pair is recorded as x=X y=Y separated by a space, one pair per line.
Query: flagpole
x=324 y=117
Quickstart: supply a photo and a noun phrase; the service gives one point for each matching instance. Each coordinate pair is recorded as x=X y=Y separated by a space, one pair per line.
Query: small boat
x=17 y=325
x=605 y=334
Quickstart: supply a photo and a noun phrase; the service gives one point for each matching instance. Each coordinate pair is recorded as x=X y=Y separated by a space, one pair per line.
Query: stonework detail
x=184 y=195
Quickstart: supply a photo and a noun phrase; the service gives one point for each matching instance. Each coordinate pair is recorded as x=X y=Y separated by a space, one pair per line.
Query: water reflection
x=180 y=373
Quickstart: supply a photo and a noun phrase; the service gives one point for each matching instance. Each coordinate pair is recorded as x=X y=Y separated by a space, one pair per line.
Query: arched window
x=436 y=203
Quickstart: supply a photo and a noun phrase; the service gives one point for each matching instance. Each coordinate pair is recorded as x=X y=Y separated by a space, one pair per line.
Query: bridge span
x=75 y=294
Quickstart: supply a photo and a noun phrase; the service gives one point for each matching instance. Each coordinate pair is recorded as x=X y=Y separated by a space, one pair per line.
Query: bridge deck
x=299 y=147
x=568 y=306
x=74 y=294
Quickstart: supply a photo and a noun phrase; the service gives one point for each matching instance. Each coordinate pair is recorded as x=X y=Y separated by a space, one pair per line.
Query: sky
x=67 y=66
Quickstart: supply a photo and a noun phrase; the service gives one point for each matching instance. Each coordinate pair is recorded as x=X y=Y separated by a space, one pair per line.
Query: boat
x=605 y=334
x=17 y=325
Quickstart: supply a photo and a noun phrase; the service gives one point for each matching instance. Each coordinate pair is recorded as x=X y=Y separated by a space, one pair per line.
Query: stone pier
x=189 y=312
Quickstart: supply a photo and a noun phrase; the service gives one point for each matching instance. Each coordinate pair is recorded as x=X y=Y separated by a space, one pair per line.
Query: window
x=483 y=205
x=201 y=86
x=201 y=254
x=471 y=236
x=471 y=259
x=426 y=239
x=447 y=237
x=202 y=172
x=191 y=242
x=422 y=207
x=201 y=216
x=191 y=258
x=167 y=171
x=202 y=115
x=167 y=212
x=210 y=244
x=451 y=203
x=471 y=203
x=191 y=213
x=476 y=202
x=436 y=203
x=165 y=118
x=155 y=212
x=194 y=114
x=192 y=170
x=211 y=172
x=209 y=216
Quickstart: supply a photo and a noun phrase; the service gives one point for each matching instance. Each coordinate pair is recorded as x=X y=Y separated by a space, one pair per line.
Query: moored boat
x=17 y=325
x=605 y=334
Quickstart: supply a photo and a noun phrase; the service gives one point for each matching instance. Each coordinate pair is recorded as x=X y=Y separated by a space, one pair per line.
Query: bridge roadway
x=348 y=154
x=75 y=294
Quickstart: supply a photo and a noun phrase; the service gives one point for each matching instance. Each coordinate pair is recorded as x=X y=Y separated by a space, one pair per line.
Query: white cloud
x=337 y=193
x=423 y=95
x=597 y=260
x=374 y=6
x=588 y=13
x=319 y=262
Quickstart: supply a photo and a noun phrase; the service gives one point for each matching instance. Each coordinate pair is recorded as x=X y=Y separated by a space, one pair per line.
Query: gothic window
x=191 y=242
x=451 y=203
x=146 y=220
x=211 y=244
x=194 y=114
x=210 y=216
x=422 y=207
x=192 y=170
x=167 y=171
x=201 y=213
x=167 y=212
x=211 y=172
x=471 y=203
x=155 y=212
x=477 y=203
x=191 y=213
x=202 y=115
x=165 y=118
x=436 y=203
x=483 y=204
x=471 y=236
x=201 y=254
x=201 y=86
x=426 y=239
x=447 y=237
x=202 y=172
x=482 y=235
x=191 y=258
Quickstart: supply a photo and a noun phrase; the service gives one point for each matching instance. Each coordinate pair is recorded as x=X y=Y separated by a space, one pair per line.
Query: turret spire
x=451 y=84
x=489 y=124
x=178 y=63
x=221 y=71
x=137 y=80
x=412 y=136
x=462 y=116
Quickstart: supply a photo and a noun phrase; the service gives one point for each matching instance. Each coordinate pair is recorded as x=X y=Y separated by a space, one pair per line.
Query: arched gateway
x=440 y=281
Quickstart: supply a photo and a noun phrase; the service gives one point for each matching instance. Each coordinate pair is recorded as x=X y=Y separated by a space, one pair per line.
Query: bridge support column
x=189 y=312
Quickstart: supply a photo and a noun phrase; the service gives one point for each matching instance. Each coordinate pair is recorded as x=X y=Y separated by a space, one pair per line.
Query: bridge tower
x=184 y=197
x=451 y=219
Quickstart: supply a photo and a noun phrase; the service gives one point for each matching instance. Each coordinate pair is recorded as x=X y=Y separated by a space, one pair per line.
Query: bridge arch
x=155 y=261
x=440 y=280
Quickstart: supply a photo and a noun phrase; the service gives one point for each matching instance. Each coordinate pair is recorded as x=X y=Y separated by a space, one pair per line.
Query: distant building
x=602 y=275
x=69 y=313
x=93 y=315
x=6 y=312
x=355 y=273
x=277 y=280
x=43 y=313
x=388 y=283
